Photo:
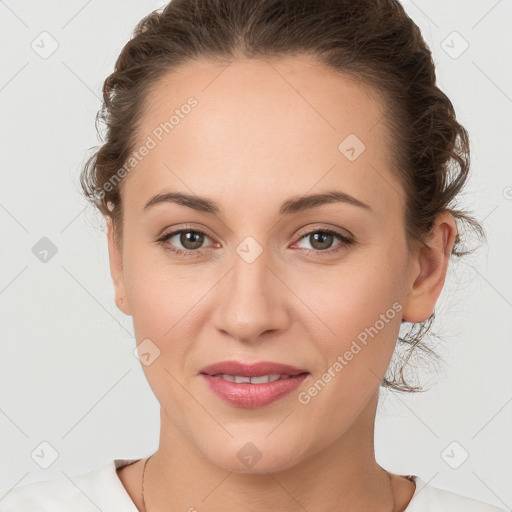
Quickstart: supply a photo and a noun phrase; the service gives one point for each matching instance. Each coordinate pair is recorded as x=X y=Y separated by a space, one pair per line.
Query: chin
x=256 y=456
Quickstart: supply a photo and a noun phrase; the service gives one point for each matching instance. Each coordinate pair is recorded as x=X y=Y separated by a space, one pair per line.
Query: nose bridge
x=251 y=301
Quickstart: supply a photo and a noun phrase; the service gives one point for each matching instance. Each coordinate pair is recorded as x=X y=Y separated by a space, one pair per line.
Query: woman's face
x=265 y=282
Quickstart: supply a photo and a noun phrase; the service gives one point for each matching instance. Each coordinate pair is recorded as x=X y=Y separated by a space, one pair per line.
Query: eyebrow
x=290 y=206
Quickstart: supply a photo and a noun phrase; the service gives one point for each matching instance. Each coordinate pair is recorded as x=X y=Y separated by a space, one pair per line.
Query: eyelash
x=345 y=241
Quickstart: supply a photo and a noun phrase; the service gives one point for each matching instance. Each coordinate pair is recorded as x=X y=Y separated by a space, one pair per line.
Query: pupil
x=322 y=236
x=191 y=239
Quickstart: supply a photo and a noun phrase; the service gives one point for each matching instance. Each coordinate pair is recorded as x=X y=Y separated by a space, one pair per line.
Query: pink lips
x=252 y=395
x=250 y=370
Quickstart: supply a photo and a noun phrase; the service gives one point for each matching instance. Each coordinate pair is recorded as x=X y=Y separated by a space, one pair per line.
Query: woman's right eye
x=191 y=239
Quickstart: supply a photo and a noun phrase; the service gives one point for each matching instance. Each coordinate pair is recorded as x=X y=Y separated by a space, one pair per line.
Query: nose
x=252 y=302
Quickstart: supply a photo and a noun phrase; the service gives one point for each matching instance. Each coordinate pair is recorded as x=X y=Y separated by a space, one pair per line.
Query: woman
x=278 y=200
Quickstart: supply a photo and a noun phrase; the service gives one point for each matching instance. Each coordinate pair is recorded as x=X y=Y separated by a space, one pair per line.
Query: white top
x=101 y=489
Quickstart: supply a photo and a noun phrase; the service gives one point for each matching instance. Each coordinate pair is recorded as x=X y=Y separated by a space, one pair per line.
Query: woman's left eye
x=324 y=237
x=193 y=239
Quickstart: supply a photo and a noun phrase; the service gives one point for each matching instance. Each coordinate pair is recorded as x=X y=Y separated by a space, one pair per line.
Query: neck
x=342 y=476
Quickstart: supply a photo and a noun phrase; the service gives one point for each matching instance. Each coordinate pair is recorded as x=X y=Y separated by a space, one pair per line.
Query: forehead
x=269 y=128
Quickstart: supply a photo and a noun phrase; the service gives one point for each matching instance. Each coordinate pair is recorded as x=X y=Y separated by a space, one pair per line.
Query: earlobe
x=428 y=270
x=116 y=270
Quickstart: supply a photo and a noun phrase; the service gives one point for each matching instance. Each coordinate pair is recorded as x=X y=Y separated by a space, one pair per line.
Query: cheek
x=165 y=312
x=350 y=297
x=166 y=300
x=360 y=321
x=357 y=309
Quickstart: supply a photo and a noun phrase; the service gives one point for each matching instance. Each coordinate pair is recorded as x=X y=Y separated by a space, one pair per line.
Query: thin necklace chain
x=144 y=503
x=143 y=471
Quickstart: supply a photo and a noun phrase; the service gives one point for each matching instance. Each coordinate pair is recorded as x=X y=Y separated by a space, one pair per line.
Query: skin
x=262 y=133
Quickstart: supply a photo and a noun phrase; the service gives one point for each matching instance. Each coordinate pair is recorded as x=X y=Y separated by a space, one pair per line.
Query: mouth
x=249 y=370
x=252 y=385
x=261 y=379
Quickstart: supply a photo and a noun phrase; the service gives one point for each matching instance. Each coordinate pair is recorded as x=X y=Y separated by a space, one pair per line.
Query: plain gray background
x=68 y=374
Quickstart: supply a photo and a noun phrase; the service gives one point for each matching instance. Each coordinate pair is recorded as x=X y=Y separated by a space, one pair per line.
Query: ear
x=116 y=270
x=428 y=270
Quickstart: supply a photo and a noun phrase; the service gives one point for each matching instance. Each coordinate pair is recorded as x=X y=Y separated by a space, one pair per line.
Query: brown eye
x=186 y=241
x=191 y=239
x=321 y=240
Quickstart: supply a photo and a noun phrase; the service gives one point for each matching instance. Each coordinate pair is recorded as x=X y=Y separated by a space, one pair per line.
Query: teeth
x=254 y=380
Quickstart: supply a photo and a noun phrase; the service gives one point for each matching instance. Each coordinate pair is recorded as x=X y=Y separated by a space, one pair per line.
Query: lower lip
x=251 y=396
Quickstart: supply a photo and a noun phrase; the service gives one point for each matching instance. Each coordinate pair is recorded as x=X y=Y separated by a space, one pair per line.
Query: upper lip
x=250 y=369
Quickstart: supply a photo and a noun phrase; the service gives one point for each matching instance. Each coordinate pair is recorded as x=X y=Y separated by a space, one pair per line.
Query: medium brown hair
x=372 y=41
